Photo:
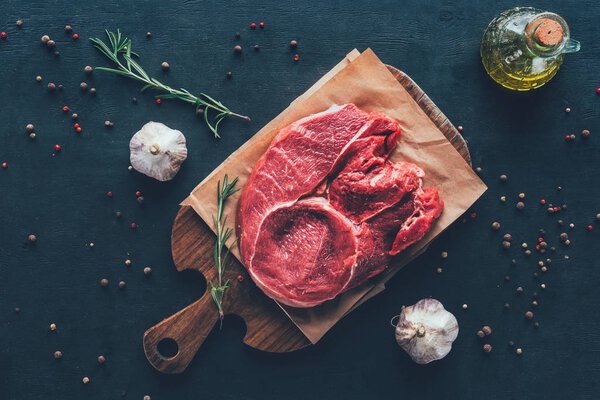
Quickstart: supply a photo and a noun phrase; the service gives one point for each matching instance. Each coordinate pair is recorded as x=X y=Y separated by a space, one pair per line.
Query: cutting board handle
x=184 y=332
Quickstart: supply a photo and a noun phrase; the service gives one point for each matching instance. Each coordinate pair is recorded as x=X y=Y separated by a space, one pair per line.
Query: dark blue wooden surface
x=62 y=200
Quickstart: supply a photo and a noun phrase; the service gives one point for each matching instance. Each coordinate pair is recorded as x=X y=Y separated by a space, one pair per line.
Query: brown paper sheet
x=364 y=80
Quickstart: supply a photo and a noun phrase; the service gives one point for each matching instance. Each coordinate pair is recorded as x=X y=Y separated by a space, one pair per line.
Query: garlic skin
x=426 y=331
x=157 y=151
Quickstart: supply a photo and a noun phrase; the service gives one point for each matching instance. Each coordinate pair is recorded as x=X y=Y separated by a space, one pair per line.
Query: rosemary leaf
x=119 y=48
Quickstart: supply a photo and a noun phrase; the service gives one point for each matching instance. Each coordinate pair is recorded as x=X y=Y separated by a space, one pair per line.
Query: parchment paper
x=364 y=80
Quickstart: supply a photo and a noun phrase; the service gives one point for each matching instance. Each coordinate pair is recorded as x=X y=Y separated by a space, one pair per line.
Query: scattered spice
x=506 y=244
x=4 y=165
x=146 y=397
x=83 y=86
x=68 y=28
x=58 y=354
x=3 y=35
x=19 y=23
x=165 y=66
x=529 y=315
x=140 y=199
x=104 y=282
x=460 y=128
x=237 y=48
x=32 y=238
x=38 y=78
x=44 y=39
x=75 y=36
x=519 y=351
x=261 y=25
x=51 y=86
x=568 y=110
x=133 y=225
x=495 y=225
x=465 y=306
x=296 y=58
x=147 y=271
x=53 y=327
x=519 y=290
x=101 y=359
x=503 y=178
x=128 y=263
x=585 y=133
x=122 y=285
x=256 y=47
x=480 y=334
x=229 y=75
x=148 y=35
x=444 y=254
x=57 y=148
x=487 y=330
x=108 y=124
x=93 y=91
x=503 y=199
x=240 y=278
x=50 y=44
x=293 y=43
x=85 y=380
x=520 y=205
x=253 y=26
x=487 y=348
x=88 y=69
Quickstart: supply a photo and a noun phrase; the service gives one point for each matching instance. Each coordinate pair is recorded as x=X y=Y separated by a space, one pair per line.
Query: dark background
x=63 y=200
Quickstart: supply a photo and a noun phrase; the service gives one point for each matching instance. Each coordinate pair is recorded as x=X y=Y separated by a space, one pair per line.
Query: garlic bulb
x=426 y=331
x=157 y=151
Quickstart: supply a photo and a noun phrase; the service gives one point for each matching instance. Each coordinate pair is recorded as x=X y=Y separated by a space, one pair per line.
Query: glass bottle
x=523 y=48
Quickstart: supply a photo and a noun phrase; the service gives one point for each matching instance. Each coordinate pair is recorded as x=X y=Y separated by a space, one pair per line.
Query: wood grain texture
x=267 y=327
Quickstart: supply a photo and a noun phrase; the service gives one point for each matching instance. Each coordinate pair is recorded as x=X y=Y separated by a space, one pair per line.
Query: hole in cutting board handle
x=167 y=348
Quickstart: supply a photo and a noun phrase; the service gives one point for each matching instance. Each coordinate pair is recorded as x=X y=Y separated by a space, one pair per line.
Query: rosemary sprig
x=118 y=49
x=217 y=289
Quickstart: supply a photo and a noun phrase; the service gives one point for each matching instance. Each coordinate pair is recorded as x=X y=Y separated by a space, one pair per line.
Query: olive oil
x=523 y=48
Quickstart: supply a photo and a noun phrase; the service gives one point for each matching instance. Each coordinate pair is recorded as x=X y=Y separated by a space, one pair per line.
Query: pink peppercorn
x=590 y=227
x=253 y=26
x=109 y=194
x=75 y=36
x=262 y=25
x=3 y=35
x=65 y=108
x=598 y=90
x=4 y=165
x=138 y=193
x=240 y=278
x=158 y=101
x=57 y=147
x=78 y=129
x=133 y=225
x=296 y=58
x=542 y=201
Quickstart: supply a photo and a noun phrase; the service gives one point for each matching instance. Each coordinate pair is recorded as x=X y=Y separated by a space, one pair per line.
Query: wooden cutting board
x=267 y=327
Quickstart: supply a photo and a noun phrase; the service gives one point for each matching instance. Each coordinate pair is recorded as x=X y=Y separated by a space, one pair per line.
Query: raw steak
x=324 y=209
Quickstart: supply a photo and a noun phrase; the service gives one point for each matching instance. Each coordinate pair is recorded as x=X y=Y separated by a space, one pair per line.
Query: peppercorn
x=567 y=110
x=253 y=26
x=487 y=330
x=529 y=315
x=495 y=226
x=229 y=75
x=293 y=43
x=261 y=25
x=19 y=23
x=513 y=262
x=165 y=66
x=57 y=147
x=65 y=108
x=45 y=39
x=56 y=53
x=506 y=306
x=17 y=310
x=534 y=303
x=83 y=86
x=118 y=214
x=32 y=238
x=104 y=282
x=585 y=133
x=158 y=101
x=122 y=285
x=589 y=227
x=563 y=236
x=101 y=359
x=296 y=57
x=51 y=86
x=4 y=165
x=147 y=271
x=237 y=35
x=439 y=270
x=507 y=278
x=503 y=178
x=128 y=263
x=505 y=244
x=507 y=237
x=133 y=225
x=543 y=286
x=465 y=306
x=478 y=170
x=199 y=111
x=572 y=226
x=134 y=100
x=503 y=199
x=520 y=205
x=460 y=128
x=511 y=343
x=256 y=47
x=75 y=36
x=53 y=327
x=520 y=290
x=60 y=87
x=140 y=199
x=50 y=44
x=68 y=28
x=527 y=253
x=29 y=128
x=108 y=124
x=519 y=351
x=57 y=354
x=536 y=325
x=487 y=348
x=237 y=48
x=146 y=397
x=85 y=380
x=93 y=91
x=32 y=136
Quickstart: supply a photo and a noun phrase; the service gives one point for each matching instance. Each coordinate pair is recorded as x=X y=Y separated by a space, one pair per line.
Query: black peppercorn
x=256 y=47
x=520 y=290
x=101 y=359
x=118 y=214
x=148 y=35
x=50 y=43
x=83 y=86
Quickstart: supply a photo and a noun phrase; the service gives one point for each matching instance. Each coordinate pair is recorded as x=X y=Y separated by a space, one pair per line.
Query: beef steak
x=324 y=209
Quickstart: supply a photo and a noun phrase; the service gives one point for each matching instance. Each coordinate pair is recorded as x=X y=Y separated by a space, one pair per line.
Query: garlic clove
x=157 y=151
x=426 y=331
